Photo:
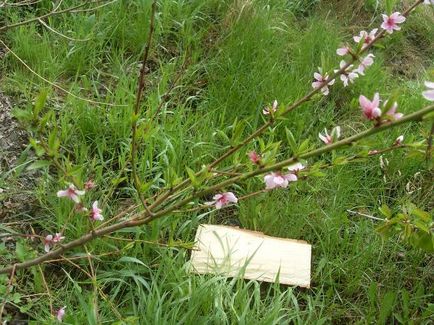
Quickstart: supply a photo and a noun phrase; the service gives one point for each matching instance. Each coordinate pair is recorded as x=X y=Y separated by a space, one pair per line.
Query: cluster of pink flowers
x=279 y=179
x=51 y=240
x=372 y=111
x=223 y=199
x=348 y=73
x=72 y=193
x=272 y=180
x=366 y=37
x=322 y=81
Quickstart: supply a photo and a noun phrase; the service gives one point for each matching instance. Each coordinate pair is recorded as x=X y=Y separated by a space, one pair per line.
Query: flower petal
x=429 y=94
x=429 y=84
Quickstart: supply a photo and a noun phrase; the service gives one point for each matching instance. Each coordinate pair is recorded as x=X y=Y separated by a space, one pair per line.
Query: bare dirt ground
x=13 y=140
x=12 y=137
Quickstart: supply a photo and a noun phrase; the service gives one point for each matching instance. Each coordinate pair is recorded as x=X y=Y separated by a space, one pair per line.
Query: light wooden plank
x=252 y=255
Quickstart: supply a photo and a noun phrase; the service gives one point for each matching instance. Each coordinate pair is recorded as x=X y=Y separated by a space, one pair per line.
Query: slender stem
x=365 y=215
x=44 y=281
x=141 y=84
x=324 y=166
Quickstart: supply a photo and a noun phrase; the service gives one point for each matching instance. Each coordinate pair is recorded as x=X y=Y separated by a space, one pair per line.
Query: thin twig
x=365 y=215
x=60 y=34
x=141 y=84
x=50 y=297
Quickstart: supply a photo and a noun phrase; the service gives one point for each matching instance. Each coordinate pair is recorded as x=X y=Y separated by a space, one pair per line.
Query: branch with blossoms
x=280 y=180
x=206 y=182
x=275 y=178
x=322 y=81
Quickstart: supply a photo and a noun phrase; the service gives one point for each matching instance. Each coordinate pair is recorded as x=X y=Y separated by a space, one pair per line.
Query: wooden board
x=252 y=255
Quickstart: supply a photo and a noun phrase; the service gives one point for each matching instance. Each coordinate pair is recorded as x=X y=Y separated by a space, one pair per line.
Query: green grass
x=238 y=56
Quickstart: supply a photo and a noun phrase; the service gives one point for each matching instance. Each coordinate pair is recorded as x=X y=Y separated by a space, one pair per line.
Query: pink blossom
x=254 y=157
x=72 y=193
x=223 y=199
x=367 y=37
x=89 y=185
x=50 y=240
x=277 y=179
x=329 y=139
x=322 y=82
x=347 y=75
x=390 y=23
x=60 y=313
x=399 y=140
x=272 y=109
x=370 y=109
x=366 y=62
x=429 y=94
x=95 y=213
x=342 y=51
x=392 y=114
x=295 y=168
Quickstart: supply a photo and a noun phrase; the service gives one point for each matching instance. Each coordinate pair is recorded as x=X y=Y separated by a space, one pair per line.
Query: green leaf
x=340 y=160
x=421 y=226
x=317 y=173
x=40 y=102
x=53 y=143
x=389 y=6
x=22 y=115
x=39 y=150
x=424 y=216
x=38 y=164
x=424 y=241
x=46 y=118
x=304 y=146
x=238 y=131
x=192 y=176
x=291 y=140
x=385 y=211
x=21 y=251
x=386 y=306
